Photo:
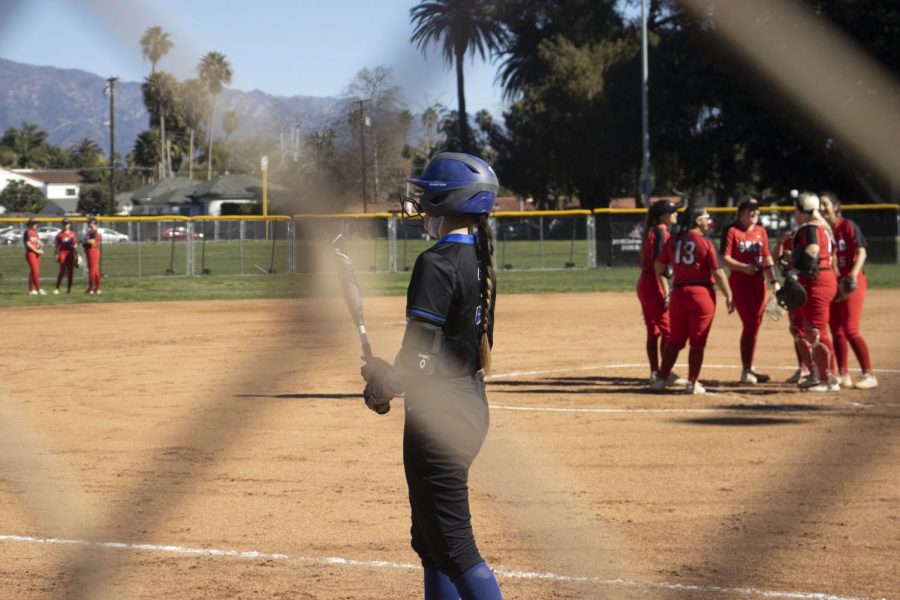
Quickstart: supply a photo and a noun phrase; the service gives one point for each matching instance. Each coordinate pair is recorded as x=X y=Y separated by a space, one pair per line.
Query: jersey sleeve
x=712 y=258
x=858 y=236
x=665 y=255
x=659 y=241
x=431 y=289
x=727 y=241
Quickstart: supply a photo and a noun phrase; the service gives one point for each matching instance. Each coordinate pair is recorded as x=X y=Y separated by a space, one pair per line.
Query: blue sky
x=282 y=47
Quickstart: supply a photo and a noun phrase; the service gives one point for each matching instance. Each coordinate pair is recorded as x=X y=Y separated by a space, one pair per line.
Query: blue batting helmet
x=457 y=183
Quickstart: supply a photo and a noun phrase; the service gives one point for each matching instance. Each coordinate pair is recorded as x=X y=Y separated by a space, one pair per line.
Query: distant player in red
x=783 y=255
x=33 y=252
x=66 y=249
x=812 y=258
x=745 y=251
x=653 y=288
x=846 y=310
x=693 y=300
x=91 y=243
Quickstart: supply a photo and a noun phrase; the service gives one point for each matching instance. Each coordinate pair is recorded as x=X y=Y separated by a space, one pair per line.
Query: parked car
x=178 y=233
x=111 y=236
x=47 y=233
x=12 y=236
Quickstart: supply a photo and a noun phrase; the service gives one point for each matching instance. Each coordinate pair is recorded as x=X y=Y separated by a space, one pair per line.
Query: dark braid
x=484 y=249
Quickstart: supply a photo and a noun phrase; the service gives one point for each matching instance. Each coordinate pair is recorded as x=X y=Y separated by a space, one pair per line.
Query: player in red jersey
x=846 y=310
x=795 y=321
x=33 y=252
x=745 y=250
x=652 y=288
x=66 y=242
x=812 y=258
x=693 y=300
x=91 y=243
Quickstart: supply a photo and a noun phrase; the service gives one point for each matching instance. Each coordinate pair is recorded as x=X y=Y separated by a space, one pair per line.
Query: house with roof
x=7 y=176
x=61 y=187
x=183 y=196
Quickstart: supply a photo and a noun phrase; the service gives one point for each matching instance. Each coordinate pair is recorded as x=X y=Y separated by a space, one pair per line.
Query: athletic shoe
x=811 y=380
x=56 y=292
x=760 y=377
x=90 y=292
x=652 y=378
x=844 y=381
x=798 y=375
x=695 y=388
x=867 y=382
x=831 y=385
x=748 y=377
x=33 y=293
x=41 y=292
x=658 y=385
x=674 y=379
x=98 y=292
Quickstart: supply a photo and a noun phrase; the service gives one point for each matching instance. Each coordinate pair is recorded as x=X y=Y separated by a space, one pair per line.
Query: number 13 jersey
x=693 y=259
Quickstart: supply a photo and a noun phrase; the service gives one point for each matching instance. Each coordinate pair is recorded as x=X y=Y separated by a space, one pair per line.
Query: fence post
x=541 y=238
x=392 y=243
x=241 y=228
x=189 y=240
x=137 y=237
x=591 y=233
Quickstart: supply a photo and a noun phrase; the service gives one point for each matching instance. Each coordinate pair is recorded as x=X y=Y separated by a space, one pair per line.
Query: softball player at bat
x=846 y=310
x=795 y=321
x=693 y=303
x=33 y=252
x=812 y=254
x=66 y=242
x=745 y=251
x=445 y=350
x=653 y=288
x=91 y=243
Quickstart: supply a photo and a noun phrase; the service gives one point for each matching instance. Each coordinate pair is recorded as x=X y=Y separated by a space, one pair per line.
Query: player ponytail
x=484 y=249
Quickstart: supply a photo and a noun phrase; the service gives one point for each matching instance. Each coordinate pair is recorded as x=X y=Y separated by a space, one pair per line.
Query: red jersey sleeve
x=665 y=255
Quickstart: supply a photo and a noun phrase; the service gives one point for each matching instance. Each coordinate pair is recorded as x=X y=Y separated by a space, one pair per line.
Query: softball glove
x=791 y=296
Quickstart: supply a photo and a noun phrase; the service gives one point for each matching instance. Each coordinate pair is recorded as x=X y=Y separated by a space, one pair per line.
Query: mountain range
x=70 y=105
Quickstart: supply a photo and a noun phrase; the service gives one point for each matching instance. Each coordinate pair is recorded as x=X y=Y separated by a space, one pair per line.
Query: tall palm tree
x=215 y=72
x=160 y=90
x=458 y=27
x=195 y=106
x=155 y=44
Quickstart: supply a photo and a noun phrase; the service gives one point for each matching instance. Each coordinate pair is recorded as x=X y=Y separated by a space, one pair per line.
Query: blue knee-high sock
x=478 y=583
x=438 y=586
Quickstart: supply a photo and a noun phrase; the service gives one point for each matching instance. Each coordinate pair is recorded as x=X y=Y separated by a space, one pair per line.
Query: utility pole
x=645 y=119
x=362 y=151
x=111 y=92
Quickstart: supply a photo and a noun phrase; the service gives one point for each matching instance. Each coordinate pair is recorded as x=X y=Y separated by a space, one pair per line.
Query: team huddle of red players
x=66 y=252
x=833 y=254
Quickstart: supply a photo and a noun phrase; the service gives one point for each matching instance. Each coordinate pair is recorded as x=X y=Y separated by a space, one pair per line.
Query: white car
x=12 y=236
x=47 y=233
x=111 y=236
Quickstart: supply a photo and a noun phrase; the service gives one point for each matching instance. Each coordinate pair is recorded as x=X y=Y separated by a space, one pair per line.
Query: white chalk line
x=382 y=564
x=509 y=374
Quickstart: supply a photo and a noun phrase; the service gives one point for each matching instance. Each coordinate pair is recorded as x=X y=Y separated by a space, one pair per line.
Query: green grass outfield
x=218 y=287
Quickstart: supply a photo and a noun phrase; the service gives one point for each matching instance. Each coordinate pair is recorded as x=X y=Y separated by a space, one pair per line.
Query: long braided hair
x=484 y=250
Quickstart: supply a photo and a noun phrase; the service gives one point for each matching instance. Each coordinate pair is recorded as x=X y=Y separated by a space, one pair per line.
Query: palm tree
x=155 y=44
x=215 y=73
x=159 y=97
x=195 y=106
x=28 y=144
x=458 y=27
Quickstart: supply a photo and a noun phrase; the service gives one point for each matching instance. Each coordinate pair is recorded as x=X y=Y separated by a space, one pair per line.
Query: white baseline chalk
x=381 y=564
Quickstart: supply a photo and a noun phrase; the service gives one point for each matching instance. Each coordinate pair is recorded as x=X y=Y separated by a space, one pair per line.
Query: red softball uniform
x=822 y=288
x=693 y=302
x=65 y=246
x=749 y=246
x=93 y=260
x=649 y=290
x=33 y=259
x=845 y=316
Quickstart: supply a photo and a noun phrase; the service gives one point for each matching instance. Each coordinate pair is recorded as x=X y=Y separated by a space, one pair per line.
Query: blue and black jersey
x=445 y=290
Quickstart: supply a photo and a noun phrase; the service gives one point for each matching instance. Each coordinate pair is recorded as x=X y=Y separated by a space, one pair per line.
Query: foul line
x=643 y=365
x=381 y=564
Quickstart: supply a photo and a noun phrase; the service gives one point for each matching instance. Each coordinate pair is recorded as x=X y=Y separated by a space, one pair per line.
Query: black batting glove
x=375 y=402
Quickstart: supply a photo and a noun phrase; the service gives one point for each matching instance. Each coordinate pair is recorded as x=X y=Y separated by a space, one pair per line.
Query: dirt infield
x=222 y=450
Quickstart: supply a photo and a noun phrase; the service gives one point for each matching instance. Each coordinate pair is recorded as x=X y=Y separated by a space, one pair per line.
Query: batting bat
x=352 y=295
